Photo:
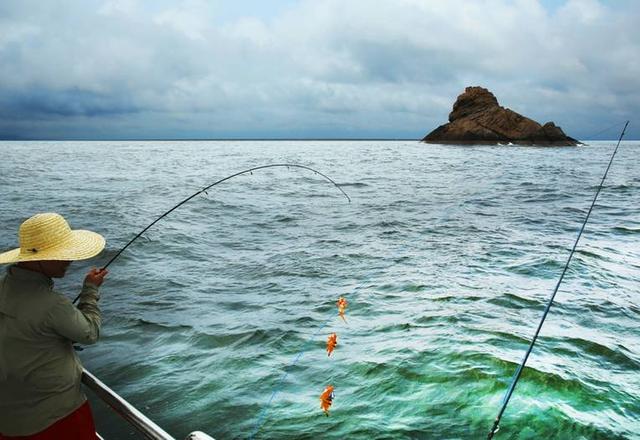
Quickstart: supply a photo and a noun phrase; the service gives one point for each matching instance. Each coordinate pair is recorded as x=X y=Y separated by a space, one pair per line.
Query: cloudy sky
x=124 y=69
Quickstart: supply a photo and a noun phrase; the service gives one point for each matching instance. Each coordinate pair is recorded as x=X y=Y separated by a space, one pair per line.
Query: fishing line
x=602 y=131
x=276 y=390
x=261 y=418
x=516 y=377
x=204 y=190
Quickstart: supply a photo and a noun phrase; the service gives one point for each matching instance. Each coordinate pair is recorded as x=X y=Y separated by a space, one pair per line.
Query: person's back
x=40 y=390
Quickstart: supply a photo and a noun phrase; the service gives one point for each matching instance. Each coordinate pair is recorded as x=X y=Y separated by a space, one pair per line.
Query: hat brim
x=80 y=246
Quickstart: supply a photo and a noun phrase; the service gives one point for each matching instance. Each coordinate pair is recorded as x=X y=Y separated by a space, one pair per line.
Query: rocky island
x=477 y=118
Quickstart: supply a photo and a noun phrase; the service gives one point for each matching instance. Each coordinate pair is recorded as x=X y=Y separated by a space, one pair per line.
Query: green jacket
x=39 y=369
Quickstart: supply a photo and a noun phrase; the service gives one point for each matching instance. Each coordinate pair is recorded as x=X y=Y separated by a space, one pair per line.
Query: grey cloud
x=358 y=68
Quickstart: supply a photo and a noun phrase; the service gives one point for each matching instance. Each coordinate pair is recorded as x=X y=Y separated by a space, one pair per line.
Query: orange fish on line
x=332 y=341
x=326 y=399
x=342 y=306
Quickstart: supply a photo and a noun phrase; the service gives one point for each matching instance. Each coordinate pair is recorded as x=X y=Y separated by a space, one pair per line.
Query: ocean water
x=217 y=319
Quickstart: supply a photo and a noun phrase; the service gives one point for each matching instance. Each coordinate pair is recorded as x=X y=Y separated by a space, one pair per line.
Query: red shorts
x=76 y=426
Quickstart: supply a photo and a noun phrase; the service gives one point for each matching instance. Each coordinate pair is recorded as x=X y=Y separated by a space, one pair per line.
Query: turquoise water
x=446 y=254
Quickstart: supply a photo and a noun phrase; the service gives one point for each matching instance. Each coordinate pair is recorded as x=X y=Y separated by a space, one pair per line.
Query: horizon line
x=236 y=139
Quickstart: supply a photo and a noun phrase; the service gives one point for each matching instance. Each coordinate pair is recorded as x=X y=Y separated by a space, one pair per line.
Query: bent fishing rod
x=516 y=377
x=205 y=189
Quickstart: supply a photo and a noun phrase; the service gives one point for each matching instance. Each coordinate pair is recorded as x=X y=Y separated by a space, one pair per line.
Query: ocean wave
x=602 y=353
x=539 y=267
x=625 y=230
x=231 y=340
x=354 y=184
x=153 y=326
x=511 y=300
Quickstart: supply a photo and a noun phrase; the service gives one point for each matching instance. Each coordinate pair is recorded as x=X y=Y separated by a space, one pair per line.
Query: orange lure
x=342 y=306
x=326 y=399
x=332 y=341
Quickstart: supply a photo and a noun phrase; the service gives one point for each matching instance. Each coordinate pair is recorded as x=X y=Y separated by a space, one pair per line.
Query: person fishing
x=40 y=390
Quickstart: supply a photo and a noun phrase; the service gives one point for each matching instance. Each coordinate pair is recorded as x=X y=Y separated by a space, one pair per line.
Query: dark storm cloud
x=37 y=104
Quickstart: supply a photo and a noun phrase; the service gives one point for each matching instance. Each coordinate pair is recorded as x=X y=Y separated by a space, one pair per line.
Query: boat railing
x=131 y=414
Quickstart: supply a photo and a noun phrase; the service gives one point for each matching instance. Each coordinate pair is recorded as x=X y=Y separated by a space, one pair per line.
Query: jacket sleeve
x=78 y=324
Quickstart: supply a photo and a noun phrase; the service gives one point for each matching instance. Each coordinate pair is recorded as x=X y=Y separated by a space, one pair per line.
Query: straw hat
x=48 y=237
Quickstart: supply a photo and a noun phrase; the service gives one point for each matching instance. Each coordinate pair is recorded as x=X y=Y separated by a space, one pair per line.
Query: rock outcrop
x=477 y=118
